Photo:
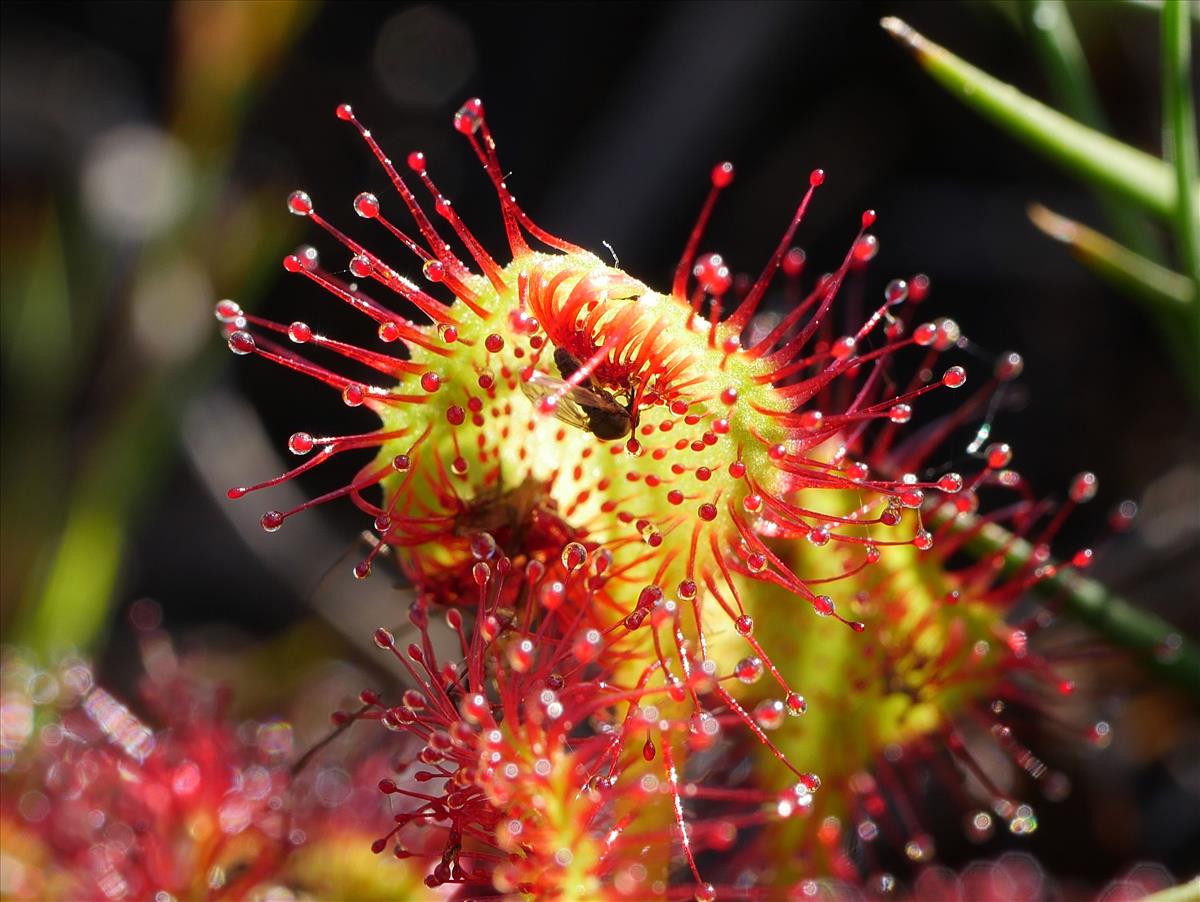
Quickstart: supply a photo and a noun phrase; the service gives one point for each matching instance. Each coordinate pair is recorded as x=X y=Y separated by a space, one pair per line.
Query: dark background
x=609 y=117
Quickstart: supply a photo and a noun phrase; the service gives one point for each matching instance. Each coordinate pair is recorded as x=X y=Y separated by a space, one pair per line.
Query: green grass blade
x=1048 y=25
x=1132 y=273
x=1179 y=138
x=1098 y=159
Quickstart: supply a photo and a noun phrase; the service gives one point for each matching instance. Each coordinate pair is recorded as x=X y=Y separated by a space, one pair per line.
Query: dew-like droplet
x=271 y=521
x=469 y=117
x=998 y=455
x=520 y=655
x=713 y=275
x=811 y=419
x=434 y=270
x=979 y=826
x=475 y=708
x=300 y=333
x=919 y=848
x=227 y=311
x=843 y=347
x=586 y=646
x=955 y=377
x=361 y=266
x=1023 y=822
x=366 y=205
x=918 y=288
x=483 y=546
x=900 y=413
x=795 y=704
x=748 y=670
x=300 y=443
x=241 y=342
x=722 y=175
x=354 y=394
x=744 y=625
x=823 y=605
x=866 y=248
x=769 y=714
x=1084 y=487
x=431 y=381
x=896 y=292
x=793 y=260
x=1009 y=366
x=925 y=334
x=948 y=334
x=950 y=483
x=574 y=556
x=552 y=594
x=299 y=203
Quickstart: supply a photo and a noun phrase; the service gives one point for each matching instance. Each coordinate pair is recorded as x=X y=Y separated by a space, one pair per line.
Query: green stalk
x=1048 y=25
x=1179 y=140
x=1167 y=291
x=1091 y=155
x=1153 y=641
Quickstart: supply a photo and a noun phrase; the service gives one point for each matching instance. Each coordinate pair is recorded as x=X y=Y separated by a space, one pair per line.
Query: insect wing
x=572 y=399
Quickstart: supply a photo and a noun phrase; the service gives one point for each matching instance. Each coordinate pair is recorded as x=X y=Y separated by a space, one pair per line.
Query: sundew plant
x=708 y=586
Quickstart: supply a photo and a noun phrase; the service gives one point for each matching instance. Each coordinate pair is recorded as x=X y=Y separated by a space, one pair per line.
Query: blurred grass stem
x=1091 y=155
x=1158 y=645
x=1179 y=144
x=1049 y=27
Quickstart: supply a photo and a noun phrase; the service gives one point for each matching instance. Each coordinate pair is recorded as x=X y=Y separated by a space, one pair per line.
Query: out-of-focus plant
x=1129 y=183
x=177 y=231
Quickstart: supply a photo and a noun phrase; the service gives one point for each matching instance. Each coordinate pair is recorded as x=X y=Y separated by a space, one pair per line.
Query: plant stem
x=1167 y=291
x=1086 y=153
x=1179 y=144
x=1155 y=642
x=1048 y=25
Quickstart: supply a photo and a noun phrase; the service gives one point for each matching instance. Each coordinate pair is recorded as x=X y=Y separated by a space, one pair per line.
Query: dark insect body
x=586 y=406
